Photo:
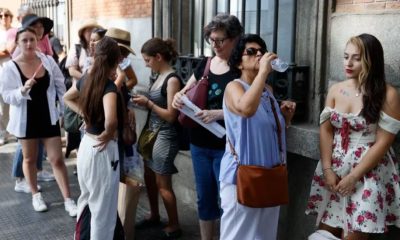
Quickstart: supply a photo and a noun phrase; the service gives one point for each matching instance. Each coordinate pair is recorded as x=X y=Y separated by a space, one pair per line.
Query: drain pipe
x=294 y=28
x=275 y=29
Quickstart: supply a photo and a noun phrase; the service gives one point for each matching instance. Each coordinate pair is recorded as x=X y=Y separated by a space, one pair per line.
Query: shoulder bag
x=261 y=187
x=198 y=95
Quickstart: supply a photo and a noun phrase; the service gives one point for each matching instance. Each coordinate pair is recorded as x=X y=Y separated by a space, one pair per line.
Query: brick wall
x=110 y=9
x=366 y=6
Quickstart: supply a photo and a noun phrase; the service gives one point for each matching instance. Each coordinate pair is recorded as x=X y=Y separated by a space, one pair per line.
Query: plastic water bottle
x=279 y=65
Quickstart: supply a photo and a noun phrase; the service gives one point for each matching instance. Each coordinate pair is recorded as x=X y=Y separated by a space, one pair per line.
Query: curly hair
x=236 y=57
x=372 y=80
x=230 y=24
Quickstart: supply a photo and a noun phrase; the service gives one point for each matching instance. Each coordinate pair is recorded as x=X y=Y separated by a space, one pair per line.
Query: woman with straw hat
x=79 y=53
x=125 y=71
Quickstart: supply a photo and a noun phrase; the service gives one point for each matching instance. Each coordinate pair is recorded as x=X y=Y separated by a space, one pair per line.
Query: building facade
x=311 y=35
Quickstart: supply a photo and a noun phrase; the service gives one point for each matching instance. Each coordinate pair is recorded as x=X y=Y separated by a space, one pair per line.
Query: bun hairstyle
x=166 y=48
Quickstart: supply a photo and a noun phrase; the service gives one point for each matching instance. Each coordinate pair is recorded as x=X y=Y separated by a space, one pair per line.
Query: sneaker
x=38 y=203
x=23 y=186
x=45 y=176
x=70 y=207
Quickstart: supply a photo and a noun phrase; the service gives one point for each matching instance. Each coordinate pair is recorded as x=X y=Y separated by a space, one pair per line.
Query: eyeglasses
x=5 y=15
x=253 y=51
x=217 y=41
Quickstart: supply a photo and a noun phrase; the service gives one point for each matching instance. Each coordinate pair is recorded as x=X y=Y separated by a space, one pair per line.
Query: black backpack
x=64 y=70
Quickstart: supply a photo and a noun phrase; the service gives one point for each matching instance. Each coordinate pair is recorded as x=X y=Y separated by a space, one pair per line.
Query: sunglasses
x=253 y=51
x=5 y=15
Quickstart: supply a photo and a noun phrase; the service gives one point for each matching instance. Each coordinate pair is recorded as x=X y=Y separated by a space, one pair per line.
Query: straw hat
x=122 y=37
x=31 y=19
x=88 y=24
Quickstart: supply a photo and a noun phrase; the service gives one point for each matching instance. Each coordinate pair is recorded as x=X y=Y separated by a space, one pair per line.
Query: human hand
x=103 y=140
x=208 y=116
x=177 y=101
x=288 y=108
x=265 y=62
x=331 y=180
x=346 y=185
x=140 y=100
x=28 y=85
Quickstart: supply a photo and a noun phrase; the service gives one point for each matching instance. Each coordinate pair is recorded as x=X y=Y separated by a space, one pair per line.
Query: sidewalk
x=19 y=221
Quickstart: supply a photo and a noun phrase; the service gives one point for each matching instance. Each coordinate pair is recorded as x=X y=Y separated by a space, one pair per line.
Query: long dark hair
x=106 y=57
x=372 y=80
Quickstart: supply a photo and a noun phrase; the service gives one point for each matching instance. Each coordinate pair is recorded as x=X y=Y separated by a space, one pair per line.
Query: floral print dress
x=375 y=202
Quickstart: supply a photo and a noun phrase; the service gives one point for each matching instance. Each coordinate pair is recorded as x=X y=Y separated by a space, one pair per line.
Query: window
x=184 y=20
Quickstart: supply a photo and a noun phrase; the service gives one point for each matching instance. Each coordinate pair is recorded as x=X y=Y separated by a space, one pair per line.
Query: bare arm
x=326 y=145
x=110 y=119
x=170 y=114
x=177 y=102
x=74 y=72
x=245 y=103
x=131 y=76
x=71 y=98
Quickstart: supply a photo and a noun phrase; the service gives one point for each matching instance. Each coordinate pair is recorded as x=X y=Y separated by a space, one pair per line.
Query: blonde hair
x=365 y=60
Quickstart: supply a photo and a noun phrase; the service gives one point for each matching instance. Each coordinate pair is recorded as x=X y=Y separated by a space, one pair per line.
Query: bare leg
x=29 y=152
x=54 y=154
x=164 y=183
x=152 y=193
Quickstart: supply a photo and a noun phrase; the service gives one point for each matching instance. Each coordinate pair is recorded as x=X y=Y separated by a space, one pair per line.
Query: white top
x=10 y=88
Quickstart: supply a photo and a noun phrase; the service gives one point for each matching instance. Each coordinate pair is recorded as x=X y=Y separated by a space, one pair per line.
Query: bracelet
x=328 y=168
x=147 y=102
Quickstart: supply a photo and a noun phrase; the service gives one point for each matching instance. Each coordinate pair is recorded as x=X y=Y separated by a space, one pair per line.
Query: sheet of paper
x=190 y=110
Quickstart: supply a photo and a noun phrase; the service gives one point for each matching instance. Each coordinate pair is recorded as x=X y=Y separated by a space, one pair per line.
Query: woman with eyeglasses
x=252 y=117
x=206 y=149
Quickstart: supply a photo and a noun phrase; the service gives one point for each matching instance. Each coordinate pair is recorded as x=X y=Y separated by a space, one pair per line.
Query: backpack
x=183 y=133
x=68 y=78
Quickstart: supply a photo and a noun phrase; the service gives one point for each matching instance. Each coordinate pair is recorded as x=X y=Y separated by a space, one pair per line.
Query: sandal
x=147 y=223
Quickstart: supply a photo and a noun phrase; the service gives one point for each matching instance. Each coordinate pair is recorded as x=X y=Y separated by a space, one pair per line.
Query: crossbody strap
x=207 y=69
x=278 y=132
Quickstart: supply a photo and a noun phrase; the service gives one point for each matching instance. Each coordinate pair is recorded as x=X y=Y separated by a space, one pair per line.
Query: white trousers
x=239 y=222
x=98 y=181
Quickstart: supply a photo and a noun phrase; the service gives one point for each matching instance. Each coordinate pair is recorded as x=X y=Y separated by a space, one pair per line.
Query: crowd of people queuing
x=357 y=177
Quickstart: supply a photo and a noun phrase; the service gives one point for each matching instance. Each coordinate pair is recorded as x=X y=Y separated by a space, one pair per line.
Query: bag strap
x=207 y=69
x=165 y=83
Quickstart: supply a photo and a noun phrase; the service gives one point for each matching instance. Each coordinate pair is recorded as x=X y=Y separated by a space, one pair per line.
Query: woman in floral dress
x=355 y=190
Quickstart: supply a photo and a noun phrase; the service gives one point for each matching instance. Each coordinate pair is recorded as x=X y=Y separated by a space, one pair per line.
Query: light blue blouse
x=255 y=138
